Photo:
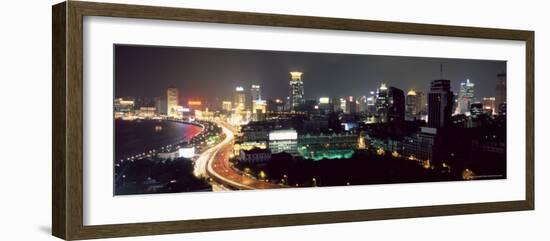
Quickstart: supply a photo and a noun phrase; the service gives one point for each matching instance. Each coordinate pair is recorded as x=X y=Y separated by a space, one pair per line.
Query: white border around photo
x=101 y=207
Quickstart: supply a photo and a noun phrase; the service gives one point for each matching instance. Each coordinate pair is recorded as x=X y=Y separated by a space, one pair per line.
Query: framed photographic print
x=171 y=120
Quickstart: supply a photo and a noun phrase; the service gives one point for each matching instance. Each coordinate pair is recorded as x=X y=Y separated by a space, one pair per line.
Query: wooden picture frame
x=67 y=124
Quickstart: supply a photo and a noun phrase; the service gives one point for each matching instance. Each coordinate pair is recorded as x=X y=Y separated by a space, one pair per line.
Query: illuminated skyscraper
x=296 y=97
x=172 y=101
x=396 y=105
x=500 y=99
x=239 y=99
x=351 y=105
x=465 y=97
x=255 y=93
x=371 y=103
x=363 y=104
x=440 y=103
x=415 y=105
x=390 y=104
x=382 y=104
x=412 y=105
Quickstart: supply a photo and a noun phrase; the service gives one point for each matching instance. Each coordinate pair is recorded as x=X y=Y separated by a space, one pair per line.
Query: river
x=134 y=137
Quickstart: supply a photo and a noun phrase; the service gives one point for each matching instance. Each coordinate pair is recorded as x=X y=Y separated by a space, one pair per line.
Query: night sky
x=212 y=74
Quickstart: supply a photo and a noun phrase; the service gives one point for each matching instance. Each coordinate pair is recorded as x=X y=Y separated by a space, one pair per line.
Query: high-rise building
x=501 y=91
x=396 y=105
x=440 y=103
x=239 y=99
x=363 y=104
x=172 y=102
x=351 y=105
x=489 y=105
x=336 y=104
x=296 y=96
x=371 y=103
x=342 y=104
x=255 y=94
x=382 y=103
x=465 y=97
x=412 y=106
x=415 y=106
x=390 y=104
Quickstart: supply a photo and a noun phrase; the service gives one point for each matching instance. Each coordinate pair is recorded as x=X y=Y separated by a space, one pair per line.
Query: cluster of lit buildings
x=313 y=137
x=335 y=127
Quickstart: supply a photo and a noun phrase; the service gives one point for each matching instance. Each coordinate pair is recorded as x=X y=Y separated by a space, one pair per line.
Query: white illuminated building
x=283 y=141
x=465 y=97
x=186 y=152
x=324 y=103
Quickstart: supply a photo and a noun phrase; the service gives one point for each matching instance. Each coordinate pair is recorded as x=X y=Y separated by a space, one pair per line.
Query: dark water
x=134 y=137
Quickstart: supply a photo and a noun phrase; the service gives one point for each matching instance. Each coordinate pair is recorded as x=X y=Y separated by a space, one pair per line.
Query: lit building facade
x=255 y=93
x=415 y=106
x=195 y=104
x=123 y=108
x=147 y=112
x=362 y=104
x=327 y=146
x=371 y=103
x=296 y=96
x=351 y=105
x=390 y=104
x=382 y=104
x=239 y=99
x=283 y=141
x=465 y=97
x=324 y=103
x=172 y=102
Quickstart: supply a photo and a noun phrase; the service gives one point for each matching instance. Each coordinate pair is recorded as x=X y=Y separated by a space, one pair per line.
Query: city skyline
x=324 y=75
x=182 y=124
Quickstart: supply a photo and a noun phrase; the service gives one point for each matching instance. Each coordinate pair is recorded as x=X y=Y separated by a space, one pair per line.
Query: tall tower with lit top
x=465 y=97
x=296 y=96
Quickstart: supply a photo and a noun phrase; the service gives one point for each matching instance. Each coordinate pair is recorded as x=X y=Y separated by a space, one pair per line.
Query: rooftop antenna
x=440 y=71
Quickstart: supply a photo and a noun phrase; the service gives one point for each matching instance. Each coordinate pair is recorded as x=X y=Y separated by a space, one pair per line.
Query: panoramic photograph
x=190 y=119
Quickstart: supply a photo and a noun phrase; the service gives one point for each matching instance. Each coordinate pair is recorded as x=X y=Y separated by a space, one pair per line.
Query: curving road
x=214 y=163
